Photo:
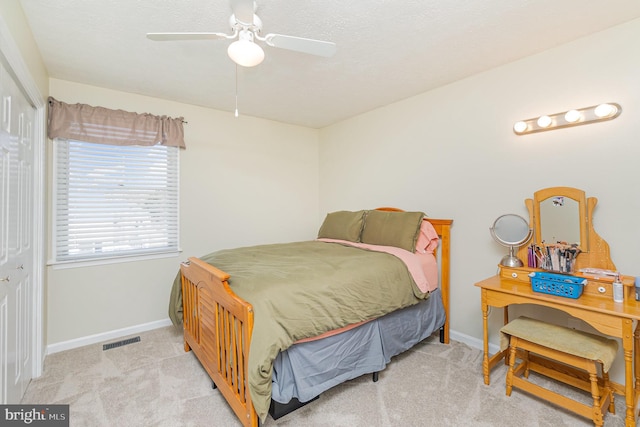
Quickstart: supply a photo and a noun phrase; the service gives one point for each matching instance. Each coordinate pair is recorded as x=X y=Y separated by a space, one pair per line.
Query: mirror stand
x=511 y=260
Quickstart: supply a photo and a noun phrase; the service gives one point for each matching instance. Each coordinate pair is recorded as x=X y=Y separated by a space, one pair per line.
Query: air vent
x=120 y=343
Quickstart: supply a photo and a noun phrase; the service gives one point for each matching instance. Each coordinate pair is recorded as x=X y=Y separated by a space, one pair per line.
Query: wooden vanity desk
x=595 y=306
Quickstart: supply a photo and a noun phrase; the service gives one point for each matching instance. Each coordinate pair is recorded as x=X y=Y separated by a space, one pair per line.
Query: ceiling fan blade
x=243 y=10
x=185 y=36
x=300 y=44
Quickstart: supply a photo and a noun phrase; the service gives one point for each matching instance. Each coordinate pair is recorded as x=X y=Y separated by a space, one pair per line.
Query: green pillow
x=399 y=229
x=342 y=225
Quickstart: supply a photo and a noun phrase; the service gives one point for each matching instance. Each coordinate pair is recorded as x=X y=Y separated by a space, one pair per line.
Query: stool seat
x=571 y=341
x=567 y=355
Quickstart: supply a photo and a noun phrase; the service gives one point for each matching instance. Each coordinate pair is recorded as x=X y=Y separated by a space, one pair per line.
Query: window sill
x=61 y=265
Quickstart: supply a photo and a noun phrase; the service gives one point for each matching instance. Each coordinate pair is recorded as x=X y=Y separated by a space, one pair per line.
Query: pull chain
x=236 y=113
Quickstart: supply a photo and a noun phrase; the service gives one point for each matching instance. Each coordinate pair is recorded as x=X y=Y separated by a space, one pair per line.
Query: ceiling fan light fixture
x=244 y=51
x=246 y=28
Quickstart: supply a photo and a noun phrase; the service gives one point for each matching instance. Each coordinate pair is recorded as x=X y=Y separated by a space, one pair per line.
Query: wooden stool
x=576 y=351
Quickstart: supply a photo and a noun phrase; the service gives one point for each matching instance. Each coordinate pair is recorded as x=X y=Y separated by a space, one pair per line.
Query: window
x=114 y=200
x=115 y=182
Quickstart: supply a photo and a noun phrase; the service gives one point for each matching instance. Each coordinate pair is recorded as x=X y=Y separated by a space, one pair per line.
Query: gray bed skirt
x=305 y=370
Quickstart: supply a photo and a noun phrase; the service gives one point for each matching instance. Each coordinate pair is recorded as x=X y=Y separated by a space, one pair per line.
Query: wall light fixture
x=581 y=116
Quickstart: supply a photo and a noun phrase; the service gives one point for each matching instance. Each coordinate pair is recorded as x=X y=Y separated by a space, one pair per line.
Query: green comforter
x=303 y=289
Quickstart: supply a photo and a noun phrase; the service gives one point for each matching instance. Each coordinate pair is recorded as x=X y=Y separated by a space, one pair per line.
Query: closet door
x=16 y=252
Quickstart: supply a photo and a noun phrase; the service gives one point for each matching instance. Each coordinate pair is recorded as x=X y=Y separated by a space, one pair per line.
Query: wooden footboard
x=217 y=327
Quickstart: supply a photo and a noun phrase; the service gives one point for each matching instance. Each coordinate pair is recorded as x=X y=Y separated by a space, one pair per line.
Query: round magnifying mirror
x=513 y=231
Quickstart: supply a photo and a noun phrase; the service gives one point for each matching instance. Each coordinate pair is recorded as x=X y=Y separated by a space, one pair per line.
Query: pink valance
x=100 y=125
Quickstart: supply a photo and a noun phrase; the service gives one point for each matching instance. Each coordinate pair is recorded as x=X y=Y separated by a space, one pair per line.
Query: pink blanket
x=421 y=265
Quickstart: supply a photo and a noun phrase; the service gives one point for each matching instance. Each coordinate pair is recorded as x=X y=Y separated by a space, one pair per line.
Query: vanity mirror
x=560 y=215
x=512 y=231
x=564 y=214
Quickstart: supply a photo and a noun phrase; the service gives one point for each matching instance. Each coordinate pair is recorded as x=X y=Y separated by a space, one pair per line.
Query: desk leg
x=628 y=342
x=636 y=365
x=636 y=349
x=505 y=315
x=485 y=334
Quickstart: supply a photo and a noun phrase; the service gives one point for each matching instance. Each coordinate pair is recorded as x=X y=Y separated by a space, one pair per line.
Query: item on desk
x=598 y=272
x=637 y=283
x=560 y=257
x=534 y=256
x=557 y=284
x=618 y=293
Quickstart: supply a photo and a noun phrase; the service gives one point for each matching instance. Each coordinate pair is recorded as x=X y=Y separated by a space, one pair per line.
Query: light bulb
x=520 y=127
x=245 y=53
x=605 y=110
x=572 y=116
x=544 y=121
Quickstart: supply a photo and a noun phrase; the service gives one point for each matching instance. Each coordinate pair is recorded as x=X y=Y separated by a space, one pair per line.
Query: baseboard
x=472 y=341
x=118 y=333
x=104 y=336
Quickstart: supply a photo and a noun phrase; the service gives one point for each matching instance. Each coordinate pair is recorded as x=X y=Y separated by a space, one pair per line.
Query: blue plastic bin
x=557 y=284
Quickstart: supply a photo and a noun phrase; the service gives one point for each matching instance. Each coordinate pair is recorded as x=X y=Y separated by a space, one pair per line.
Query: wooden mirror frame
x=596 y=252
x=568 y=192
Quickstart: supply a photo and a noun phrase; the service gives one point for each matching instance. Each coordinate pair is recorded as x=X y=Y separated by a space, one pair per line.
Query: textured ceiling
x=388 y=50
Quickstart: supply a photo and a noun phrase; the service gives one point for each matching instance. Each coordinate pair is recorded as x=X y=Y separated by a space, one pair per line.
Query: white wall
x=13 y=16
x=452 y=153
x=243 y=181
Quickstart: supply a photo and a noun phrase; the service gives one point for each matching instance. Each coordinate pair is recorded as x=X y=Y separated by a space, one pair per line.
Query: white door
x=16 y=225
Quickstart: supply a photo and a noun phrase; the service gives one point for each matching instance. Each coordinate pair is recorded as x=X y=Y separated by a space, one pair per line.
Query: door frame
x=17 y=66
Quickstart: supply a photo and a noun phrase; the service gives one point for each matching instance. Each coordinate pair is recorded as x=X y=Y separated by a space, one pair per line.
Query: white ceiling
x=388 y=50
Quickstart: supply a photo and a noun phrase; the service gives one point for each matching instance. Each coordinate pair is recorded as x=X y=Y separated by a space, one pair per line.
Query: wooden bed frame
x=218 y=324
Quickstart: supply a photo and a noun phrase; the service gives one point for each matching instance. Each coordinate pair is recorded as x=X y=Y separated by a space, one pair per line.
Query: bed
x=314 y=314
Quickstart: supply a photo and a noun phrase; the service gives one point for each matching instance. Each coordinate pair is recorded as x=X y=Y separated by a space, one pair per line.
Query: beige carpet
x=155 y=383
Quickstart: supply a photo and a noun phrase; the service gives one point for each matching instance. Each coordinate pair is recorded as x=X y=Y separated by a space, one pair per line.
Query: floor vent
x=120 y=343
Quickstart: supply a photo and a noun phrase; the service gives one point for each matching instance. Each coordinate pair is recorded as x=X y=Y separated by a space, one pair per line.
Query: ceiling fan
x=246 y=27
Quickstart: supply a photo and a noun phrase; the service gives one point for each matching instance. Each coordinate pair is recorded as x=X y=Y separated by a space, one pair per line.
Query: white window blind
x=113 y=201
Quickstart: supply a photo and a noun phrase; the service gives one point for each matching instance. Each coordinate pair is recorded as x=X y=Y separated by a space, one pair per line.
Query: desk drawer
x=517 y=274
x=594 y=288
